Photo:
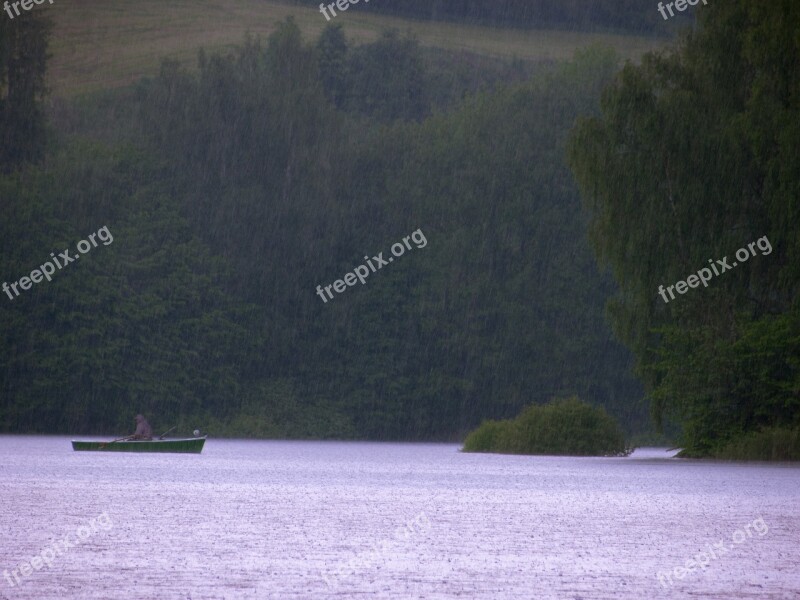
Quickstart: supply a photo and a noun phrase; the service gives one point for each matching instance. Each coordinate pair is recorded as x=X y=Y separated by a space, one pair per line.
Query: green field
x=111 y=43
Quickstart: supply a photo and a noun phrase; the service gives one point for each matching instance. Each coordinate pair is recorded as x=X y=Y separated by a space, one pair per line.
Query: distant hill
x=109 y=44
x=630 y=16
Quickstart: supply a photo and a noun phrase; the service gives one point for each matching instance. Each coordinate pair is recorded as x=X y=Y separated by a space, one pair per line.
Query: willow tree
x=694 y=156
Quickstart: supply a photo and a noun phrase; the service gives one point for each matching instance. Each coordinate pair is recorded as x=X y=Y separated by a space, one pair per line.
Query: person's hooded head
x=139 y=418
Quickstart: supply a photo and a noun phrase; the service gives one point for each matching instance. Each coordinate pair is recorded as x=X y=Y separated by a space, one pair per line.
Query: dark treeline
x=694 y=157
x=631 y=16
x=232 y=191
x=23 y=62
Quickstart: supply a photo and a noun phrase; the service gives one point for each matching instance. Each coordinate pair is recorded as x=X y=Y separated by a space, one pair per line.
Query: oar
x=103 y=445
x=171 y=429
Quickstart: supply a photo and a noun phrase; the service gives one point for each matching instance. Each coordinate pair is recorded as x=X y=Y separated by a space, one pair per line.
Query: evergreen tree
x=332 y=58
x=23 y=62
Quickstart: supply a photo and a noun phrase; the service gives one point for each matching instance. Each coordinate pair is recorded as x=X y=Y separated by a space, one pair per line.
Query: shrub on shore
x=567 y=426
x=491 y=436
x=774 y=443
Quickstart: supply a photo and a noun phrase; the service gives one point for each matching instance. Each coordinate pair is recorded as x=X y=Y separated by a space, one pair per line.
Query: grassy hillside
x=109 y=43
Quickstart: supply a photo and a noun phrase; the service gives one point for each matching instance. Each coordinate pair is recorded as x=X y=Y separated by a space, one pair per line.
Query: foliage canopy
x=694 y=156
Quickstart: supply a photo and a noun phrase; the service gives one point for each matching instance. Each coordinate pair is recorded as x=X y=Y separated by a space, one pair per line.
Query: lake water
x=249 y=519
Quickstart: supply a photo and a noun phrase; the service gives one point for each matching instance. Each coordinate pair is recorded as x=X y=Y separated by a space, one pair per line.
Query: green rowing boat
x=187 y=446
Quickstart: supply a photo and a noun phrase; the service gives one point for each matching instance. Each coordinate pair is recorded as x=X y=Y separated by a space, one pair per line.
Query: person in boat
x=143 y=429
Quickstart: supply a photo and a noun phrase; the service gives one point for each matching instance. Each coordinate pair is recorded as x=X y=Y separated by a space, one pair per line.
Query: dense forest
x=233 y=190
x=694 y=158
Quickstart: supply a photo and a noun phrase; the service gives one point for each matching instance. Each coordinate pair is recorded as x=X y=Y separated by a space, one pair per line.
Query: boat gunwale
x=202 y=437
x=170 y=446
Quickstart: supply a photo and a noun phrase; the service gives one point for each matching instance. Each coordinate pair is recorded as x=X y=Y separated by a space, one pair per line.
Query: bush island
x=567 y=426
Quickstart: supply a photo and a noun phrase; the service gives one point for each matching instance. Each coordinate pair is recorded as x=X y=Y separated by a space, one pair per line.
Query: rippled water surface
x=249 y=519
